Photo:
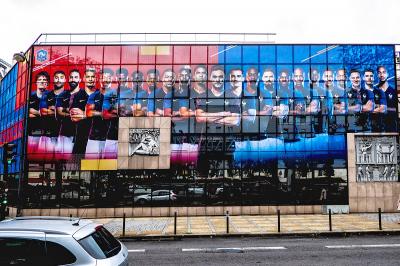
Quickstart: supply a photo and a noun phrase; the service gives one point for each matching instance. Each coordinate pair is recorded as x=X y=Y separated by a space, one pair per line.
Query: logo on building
x=42 y=55
x=144 y=141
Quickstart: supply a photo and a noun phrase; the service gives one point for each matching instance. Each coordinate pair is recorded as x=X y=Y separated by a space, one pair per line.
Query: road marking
x=136 y=250
x=366 y=246
x=264 y=248
x=233 y=249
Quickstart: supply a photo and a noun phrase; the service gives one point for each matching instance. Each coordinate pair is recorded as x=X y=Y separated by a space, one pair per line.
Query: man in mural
x=304 y=105
x=335 y=103
x=184 y=82
x=110 y=115
x=52 y=122
x=212 y=112
x=77 y=112
x=180 y=103
x=162 y=105
x=139 y=105
x=341 y=79
x=126 y=94
x=94 y=112
x=233 y=102
x=318 y=94
x=65 y=141
x=152 y=79
x=250 y=106
x=377 y=107
x=35 y=124
x=197 y=103
x=273 y=107
x=122 y=79
x=287 y=98
x=354 y=104
x=390 y=118
x=339 y=98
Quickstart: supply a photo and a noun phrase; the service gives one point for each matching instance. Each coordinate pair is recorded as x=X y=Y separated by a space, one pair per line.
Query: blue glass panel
x=335 y=54
x=250 y=54
x=267 y=54
x=233 y=54
x=284 y=53
x=318 y=54
x=301 y=53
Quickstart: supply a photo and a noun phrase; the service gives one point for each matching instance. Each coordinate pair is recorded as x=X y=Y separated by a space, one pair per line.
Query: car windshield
x=101 y=244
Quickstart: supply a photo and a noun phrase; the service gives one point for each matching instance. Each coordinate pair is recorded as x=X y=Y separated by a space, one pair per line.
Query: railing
x=154 y=38
x=275 y=224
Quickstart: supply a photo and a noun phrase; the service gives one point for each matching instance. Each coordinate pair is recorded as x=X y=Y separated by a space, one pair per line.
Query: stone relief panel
x=376 y=158
x=144 y=141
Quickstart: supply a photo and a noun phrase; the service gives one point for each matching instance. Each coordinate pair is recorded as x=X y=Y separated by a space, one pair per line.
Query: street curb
x=268 y=235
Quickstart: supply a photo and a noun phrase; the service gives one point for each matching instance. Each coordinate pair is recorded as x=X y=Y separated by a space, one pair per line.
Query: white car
x=58 y=241
x=156 y=195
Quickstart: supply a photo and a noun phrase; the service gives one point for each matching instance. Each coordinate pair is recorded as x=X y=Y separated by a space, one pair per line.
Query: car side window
x=59 y=255
x=19 y=251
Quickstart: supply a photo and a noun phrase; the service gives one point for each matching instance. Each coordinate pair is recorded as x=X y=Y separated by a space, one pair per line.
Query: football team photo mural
x=249 y=105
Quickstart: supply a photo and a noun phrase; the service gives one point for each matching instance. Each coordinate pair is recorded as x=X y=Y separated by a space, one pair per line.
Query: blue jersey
x=98 y=130
x=110 y=100
x=48 y=99
x=379 y=97
x=63 y=101
x=126 y=100
x=35 y=123
x=51 y=125
x=391 y=98
x=159 y=99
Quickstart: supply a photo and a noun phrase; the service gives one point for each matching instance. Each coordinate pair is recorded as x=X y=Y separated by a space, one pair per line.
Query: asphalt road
x=355 y=250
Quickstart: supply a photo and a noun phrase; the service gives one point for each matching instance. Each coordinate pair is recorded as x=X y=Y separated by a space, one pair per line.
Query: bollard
x=330 y=220
x=70 y=216
x=123 y=225
x=227 y=222
x=175 y=221
x=380 y=218
x=279 y=221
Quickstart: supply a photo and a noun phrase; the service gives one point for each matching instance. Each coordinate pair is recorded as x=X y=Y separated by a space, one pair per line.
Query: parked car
x=199 y=191
x=58 y=241
x=139 y=190
x=156 y=195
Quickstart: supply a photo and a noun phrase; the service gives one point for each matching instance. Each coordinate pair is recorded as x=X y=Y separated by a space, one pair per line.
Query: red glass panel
x=147 y=54
x=59 y=55
x=164 y=54
x=77 y=54
x=199 y=55
x=94 y=55
x=181 y=54
x=129 y=55
x=112 y=54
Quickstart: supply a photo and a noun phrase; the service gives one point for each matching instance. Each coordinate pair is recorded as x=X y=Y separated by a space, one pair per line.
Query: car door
x=22 y=248
x=155 y=195
x=164 y=195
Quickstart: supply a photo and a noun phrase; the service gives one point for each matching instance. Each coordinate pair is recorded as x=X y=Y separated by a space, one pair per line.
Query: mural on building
x=246 y=123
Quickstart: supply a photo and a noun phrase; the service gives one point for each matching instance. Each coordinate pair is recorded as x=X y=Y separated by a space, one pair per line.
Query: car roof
x=46 y=224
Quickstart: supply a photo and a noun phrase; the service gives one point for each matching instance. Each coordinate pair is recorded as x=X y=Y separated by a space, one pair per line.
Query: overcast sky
x=307 y=21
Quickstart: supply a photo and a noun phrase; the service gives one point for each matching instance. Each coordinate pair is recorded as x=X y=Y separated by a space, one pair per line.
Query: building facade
x=146 y=129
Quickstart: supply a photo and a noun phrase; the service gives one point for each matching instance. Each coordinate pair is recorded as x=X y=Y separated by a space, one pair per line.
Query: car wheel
x=142 y=201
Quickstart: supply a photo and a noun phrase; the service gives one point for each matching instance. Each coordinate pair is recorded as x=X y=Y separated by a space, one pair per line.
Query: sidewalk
x=252 y=225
